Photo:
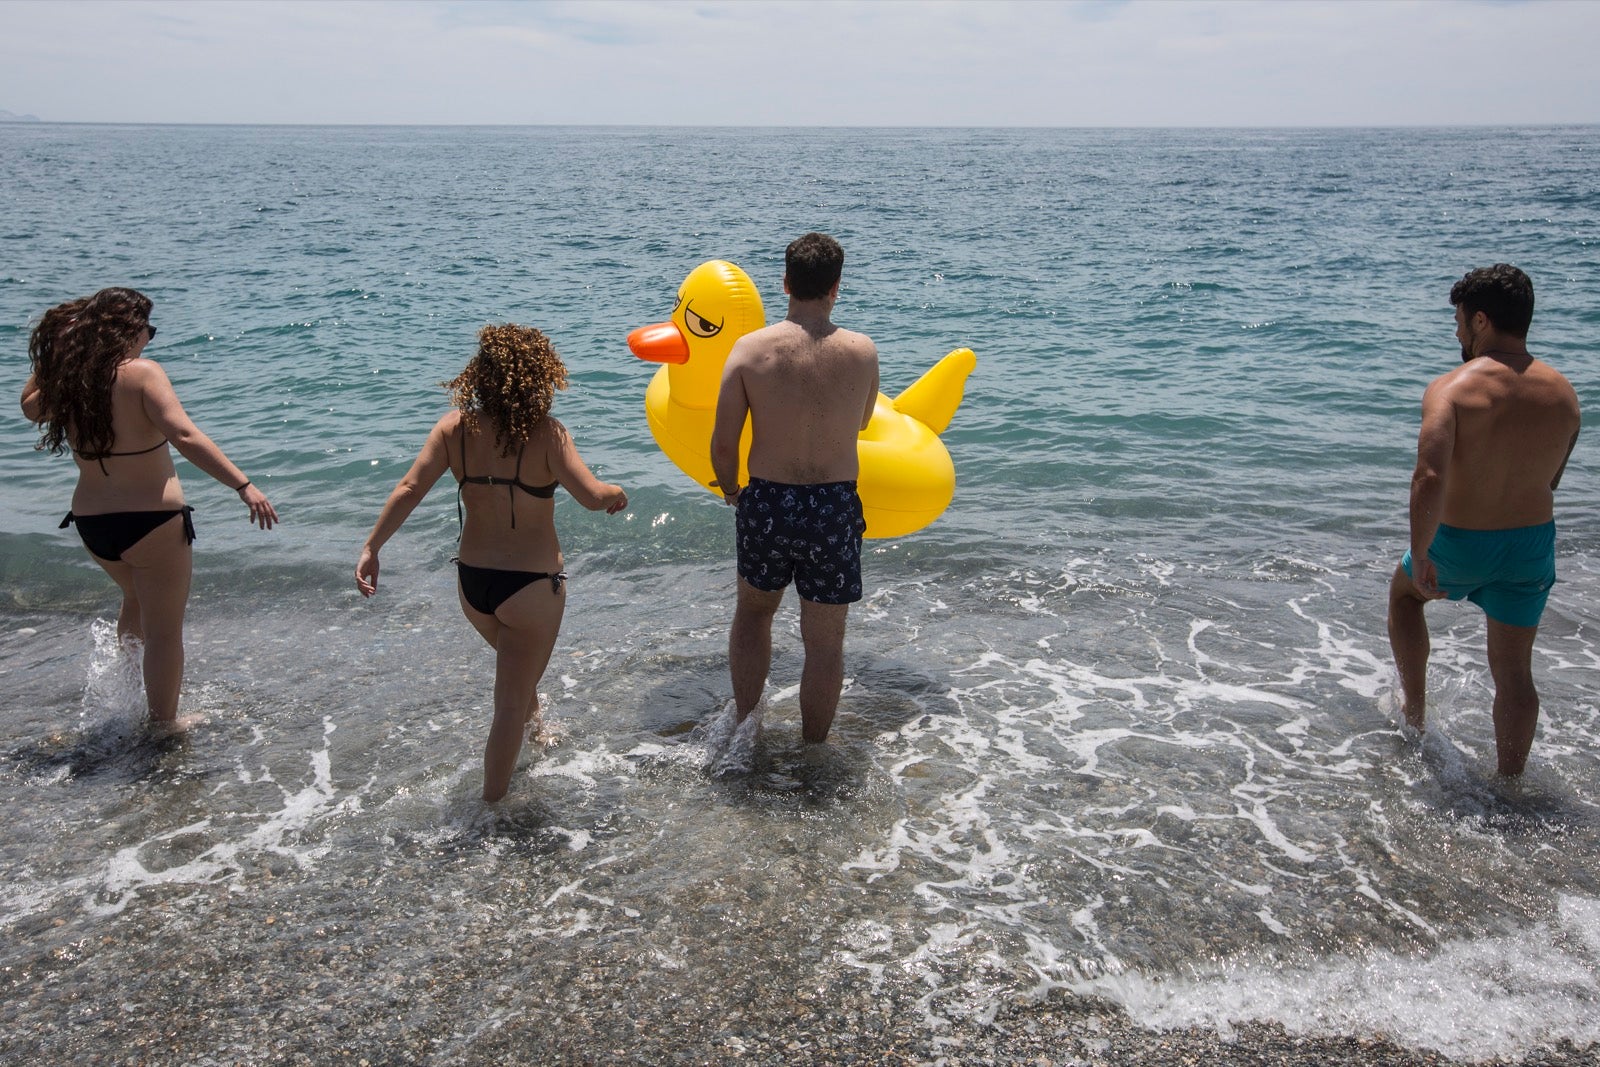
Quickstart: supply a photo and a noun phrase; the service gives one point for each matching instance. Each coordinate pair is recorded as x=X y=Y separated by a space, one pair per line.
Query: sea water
x=1122 y=722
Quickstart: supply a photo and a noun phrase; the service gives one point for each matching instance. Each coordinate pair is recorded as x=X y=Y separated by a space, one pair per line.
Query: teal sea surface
x=1121 y=723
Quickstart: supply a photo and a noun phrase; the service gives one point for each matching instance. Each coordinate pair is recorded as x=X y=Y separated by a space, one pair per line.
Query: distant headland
x=7 y=116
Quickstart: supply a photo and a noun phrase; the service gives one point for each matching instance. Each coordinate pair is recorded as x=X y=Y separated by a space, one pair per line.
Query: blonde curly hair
x=511 y=382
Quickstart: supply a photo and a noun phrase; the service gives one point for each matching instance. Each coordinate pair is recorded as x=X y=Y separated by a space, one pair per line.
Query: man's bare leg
x=822 y=629
x=750 y=644
x=1408 y=639
x=1516 y=702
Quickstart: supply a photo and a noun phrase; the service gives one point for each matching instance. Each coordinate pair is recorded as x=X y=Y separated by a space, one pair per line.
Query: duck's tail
x=933 y=398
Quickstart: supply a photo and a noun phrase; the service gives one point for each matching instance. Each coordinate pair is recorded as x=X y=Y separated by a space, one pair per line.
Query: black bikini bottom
x=109 y=535
x=486 y=588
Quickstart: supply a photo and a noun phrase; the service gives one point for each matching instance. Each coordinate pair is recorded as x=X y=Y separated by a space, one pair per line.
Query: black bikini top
x=543 y=492
x=101 y=458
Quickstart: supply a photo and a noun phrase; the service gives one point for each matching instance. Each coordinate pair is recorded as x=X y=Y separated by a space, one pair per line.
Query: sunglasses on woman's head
x=152 y=330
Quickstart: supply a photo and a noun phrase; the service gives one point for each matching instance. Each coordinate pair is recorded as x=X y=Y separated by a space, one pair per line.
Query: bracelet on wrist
x=243 y=487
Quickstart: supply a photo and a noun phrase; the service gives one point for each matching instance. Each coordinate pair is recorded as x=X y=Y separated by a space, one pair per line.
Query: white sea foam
x=738 y=755
x=715 y=733
x=114 y=682
x=1231 y=766
x=223 y=855
x=586 y=768
x=1492 y=997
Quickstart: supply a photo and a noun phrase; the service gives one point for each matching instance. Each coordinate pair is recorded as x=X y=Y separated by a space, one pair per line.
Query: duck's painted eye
x=700 y=327
x=678 y=302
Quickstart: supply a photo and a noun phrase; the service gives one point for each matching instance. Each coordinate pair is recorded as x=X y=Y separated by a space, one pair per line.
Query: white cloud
x=782 y=62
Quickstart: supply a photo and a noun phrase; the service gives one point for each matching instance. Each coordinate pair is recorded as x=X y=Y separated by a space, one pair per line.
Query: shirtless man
x=1496 y=434
x=809 y=388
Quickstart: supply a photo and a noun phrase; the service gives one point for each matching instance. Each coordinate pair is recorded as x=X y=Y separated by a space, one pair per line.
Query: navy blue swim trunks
x=808 y=534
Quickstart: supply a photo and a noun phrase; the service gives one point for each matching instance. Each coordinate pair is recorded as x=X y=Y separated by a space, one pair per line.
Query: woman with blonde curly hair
x=93 y=392
x=508 y=455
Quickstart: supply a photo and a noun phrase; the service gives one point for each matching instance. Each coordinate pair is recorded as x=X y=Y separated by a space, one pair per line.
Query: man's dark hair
x=1502 y=292
x=812 y=266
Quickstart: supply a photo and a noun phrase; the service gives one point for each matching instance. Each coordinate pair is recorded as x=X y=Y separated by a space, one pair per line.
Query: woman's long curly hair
x=75 y=352
x=510 y=382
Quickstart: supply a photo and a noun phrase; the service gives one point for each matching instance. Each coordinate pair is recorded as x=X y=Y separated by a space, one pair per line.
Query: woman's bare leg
x=486 y=625
x=129 y=623
x=524 y=631
x=154 y=576
x=489 y=627
x=161 y=566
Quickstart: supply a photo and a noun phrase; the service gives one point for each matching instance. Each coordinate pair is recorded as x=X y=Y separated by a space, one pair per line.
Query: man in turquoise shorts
x=1496 y=435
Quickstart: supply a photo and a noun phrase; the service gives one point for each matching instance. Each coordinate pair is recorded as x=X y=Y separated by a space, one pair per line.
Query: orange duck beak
x=661 y=342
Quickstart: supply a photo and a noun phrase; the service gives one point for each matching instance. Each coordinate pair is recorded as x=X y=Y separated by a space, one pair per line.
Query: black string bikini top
x=101 y=458
x=512 y=484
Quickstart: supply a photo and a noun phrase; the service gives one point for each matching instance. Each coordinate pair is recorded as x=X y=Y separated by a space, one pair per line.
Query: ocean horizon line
x=1153 y=127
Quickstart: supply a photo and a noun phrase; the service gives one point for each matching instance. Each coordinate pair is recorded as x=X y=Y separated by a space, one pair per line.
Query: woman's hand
x=367 y=572
x=262 y=513
x=615 y=499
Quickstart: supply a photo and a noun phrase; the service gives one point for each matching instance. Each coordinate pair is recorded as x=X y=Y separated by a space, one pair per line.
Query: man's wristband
x=243 y=487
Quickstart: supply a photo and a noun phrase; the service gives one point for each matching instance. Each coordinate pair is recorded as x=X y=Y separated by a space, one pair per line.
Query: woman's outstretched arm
x=429 y=466
x=163 y=408
x=576 y=478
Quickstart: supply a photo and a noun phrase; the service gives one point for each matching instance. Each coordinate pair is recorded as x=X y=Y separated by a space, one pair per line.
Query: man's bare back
x=1514 y=423
x=810 y=387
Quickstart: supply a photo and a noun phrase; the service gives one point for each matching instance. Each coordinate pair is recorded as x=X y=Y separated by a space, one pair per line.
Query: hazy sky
x=805 y=62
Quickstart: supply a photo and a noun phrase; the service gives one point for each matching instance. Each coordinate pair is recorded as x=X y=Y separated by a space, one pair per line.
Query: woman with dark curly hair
x=93 y=392
x=508 y=456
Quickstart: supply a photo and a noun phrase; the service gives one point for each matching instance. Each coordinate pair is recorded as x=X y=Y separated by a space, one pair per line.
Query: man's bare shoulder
x=1556 y=379
x=1488 y=381
x=757 y=343
x=857 y=342
x=1562 y=397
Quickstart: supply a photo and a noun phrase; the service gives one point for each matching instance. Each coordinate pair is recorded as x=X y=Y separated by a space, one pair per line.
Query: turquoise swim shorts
x=1507 y=573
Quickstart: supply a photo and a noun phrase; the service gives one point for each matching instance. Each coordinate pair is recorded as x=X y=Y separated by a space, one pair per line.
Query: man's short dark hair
x=1502 y=292
x=812 y=266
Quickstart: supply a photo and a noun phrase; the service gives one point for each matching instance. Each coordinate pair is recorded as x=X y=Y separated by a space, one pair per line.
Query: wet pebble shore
x=596 y=1022
x=336 y=969
x=1062 y=1031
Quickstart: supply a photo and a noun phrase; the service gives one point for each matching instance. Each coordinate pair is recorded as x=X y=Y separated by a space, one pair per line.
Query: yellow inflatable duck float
x=906 y=479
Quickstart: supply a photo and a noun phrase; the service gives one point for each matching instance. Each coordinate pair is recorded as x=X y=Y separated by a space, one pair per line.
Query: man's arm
x=1556 y=481
x=872 y=394
x=1436 y=443
x=733 y=405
